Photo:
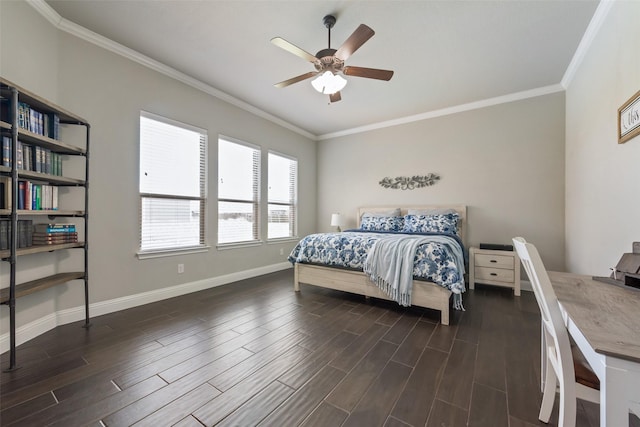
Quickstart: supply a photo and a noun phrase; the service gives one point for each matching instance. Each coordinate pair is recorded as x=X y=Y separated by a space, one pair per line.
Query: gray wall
x=505 y=162
x=603 y=177
x=109 y=91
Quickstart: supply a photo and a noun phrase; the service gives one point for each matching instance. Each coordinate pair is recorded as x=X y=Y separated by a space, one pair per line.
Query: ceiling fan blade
x=353 y=43
x=335 y=97
x=296 y=79
x=289 y=47
x=370 y=73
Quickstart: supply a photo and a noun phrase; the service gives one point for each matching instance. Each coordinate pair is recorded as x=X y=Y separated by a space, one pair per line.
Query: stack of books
x=32 y=158
x=54 y=234
x=25 y=233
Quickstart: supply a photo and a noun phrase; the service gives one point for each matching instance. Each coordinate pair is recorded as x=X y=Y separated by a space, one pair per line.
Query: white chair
x=563 y=364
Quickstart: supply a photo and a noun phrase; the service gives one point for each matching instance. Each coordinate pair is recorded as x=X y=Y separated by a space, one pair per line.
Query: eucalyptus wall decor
x=410 y=182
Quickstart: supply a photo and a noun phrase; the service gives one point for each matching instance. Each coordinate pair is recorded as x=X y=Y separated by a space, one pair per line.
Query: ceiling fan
x=329 y=63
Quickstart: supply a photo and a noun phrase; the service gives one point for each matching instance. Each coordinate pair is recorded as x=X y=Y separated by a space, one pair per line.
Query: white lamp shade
x=336 y=220
x=328 y=83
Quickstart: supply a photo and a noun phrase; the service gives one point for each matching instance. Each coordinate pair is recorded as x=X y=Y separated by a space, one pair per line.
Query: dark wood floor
x=255 y=352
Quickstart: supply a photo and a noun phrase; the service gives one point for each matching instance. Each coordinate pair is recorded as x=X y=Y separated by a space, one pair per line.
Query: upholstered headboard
x=461 y=209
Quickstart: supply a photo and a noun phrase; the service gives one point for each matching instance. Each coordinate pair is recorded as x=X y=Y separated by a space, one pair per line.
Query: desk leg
x=619 y=392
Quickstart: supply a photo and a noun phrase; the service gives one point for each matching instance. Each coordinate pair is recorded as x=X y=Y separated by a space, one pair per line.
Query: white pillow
x=380 y=214
x=431 y=211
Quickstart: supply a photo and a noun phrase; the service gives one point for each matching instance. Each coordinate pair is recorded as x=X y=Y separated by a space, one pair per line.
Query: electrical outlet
x=281 y=251
x=180 y=268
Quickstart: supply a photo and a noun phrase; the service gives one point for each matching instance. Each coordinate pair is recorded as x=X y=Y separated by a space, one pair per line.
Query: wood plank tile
x=247 y=367
x=29 y=407
x=158 y=399
x=325 y=415
x=349 y=392
x=231 y=399
x=202 y=359
x=213 y=346
x=402 y=327
x=443 y=414
x=306 y=369
x=87 y=387
x=359 y=347
x=455 y=387
x=412 y=347
x=305 y=399
x=490 y=365
x=23 y=377
x=374 y=407
x=364 y=322
x=189 y=421
x=418 y=395
x=488 y=407
x=179 y=408
x=68 y=415
x=443 y=337
x=394 y=422
x=390 y=317
x=259 y=406
x=523 y=382
x=470 y=326
x=136 y=344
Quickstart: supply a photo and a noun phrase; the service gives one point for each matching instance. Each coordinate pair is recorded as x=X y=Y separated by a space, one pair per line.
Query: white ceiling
x=444 y=53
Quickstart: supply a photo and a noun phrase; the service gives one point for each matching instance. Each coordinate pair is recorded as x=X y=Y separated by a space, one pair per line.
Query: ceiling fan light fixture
x=329 y=83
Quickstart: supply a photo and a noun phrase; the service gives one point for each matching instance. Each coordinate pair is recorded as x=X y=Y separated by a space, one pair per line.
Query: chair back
x=555 y=331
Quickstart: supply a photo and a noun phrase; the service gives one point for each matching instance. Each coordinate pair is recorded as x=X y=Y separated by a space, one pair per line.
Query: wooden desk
x=604 y=321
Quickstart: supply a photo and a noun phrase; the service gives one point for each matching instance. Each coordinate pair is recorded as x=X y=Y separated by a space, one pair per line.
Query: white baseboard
x=40 y=326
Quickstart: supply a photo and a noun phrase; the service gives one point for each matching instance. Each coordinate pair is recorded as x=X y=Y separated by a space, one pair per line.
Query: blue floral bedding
x=434 y=262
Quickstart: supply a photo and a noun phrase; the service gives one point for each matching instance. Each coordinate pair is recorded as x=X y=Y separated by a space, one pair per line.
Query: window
x=283 y=190
x=173 y=191
x=238 y=191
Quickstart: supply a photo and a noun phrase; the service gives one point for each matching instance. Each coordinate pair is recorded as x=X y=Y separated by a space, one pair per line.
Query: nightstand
x=498 y=268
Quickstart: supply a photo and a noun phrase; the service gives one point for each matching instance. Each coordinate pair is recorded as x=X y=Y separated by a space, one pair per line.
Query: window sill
x=282 y=240
x=171 y=252
x=239 y=245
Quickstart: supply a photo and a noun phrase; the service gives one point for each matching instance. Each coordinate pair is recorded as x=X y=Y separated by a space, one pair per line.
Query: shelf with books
x=36 y=249
x=49 y=212
x=49 y=143
x=32 y=130
x=51 y=179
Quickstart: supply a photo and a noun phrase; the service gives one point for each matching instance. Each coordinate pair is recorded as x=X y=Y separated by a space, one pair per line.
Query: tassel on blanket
x=457 y=302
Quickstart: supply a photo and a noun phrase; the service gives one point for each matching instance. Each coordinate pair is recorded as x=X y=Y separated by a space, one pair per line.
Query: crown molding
x=587 y=39
x=83 y=33
x=546 y=90
x=72 y=28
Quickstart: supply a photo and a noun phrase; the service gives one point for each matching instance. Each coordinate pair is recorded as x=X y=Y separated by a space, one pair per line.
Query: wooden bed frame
x=425 y=294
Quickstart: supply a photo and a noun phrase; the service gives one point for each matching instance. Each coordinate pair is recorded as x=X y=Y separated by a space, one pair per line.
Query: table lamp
x=336 y=221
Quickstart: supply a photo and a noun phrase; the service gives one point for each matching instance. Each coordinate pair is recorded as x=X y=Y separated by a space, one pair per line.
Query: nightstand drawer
x=494 y=261
x=495 y=274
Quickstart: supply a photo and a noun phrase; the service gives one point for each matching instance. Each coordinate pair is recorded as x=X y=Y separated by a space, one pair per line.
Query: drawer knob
x=493 y=260
x=494 y=274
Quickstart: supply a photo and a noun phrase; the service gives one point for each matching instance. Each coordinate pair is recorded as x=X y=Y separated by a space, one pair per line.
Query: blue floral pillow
x=443 y=223
x=382 y=223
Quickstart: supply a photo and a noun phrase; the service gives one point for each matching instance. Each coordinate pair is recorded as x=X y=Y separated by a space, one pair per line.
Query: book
x=6 y=151
x=5 y=192
x=5 y=225
x=54 y=228
x=56 y=238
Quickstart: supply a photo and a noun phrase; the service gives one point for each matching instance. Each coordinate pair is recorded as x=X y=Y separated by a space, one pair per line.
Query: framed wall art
x=629 y=119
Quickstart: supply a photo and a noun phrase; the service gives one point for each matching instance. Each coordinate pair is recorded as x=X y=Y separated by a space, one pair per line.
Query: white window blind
x=173 y=190
x=238 y=191
x=283 y=195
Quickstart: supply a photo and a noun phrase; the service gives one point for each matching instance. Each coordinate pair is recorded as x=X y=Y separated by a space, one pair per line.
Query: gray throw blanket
x=389 y=265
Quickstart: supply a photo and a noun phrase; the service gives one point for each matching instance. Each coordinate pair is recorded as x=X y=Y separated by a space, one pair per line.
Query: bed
x=424 y=293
